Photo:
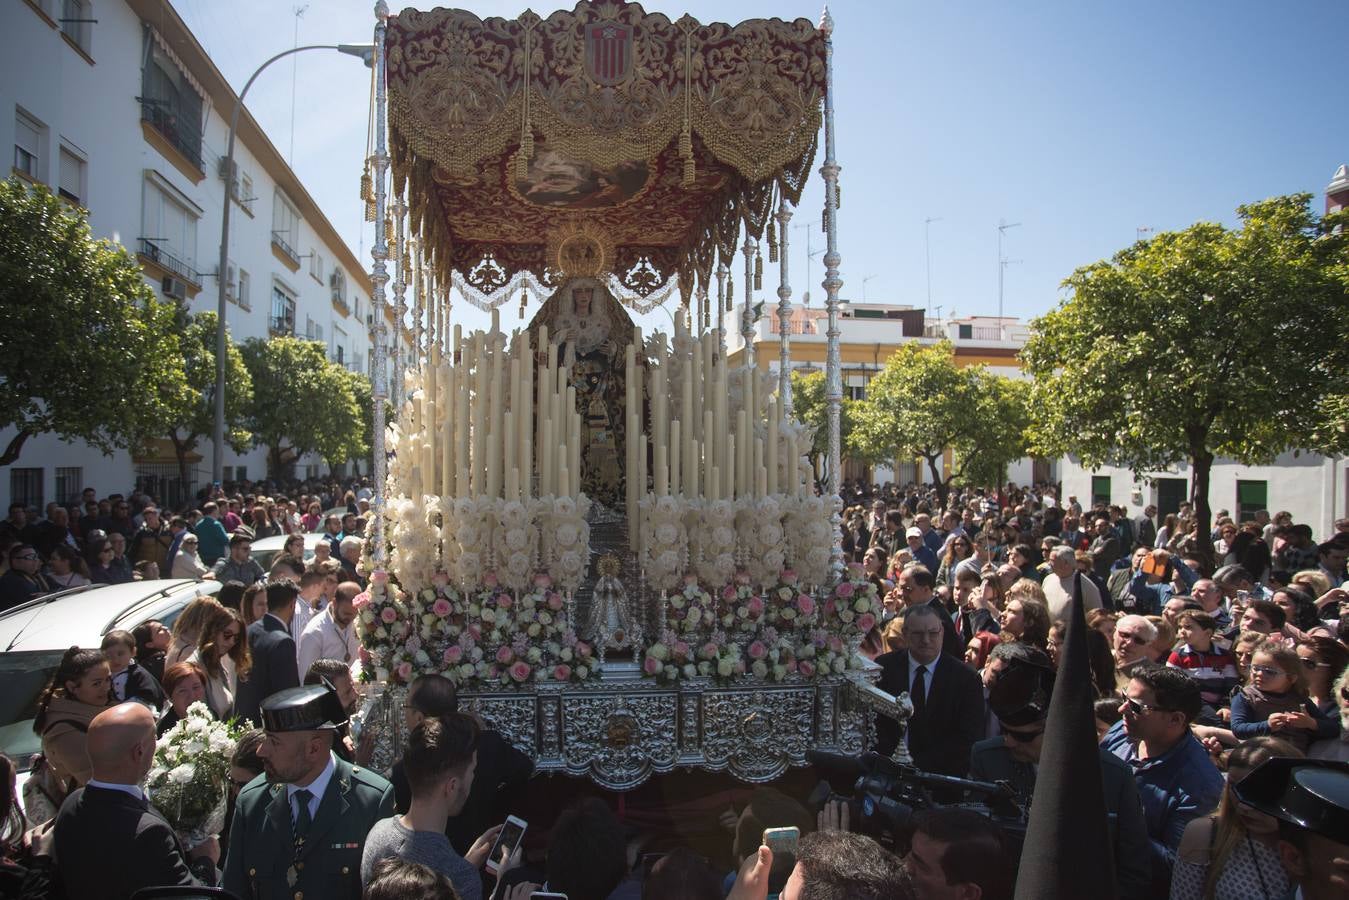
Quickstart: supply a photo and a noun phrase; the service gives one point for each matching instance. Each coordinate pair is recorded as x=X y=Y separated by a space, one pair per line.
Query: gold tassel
x=370 y=210
x=838 y=196
x=368 y=192
x=772 y=242
x=388 y=230
x=758 y=271
x=524 y=156
x=686 y=154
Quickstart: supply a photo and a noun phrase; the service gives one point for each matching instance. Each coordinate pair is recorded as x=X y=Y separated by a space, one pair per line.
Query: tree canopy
x=87 y=350
x=923 y=402
x=302 y=403
x=194 y=417
x=1198 y=343
x=809 y=408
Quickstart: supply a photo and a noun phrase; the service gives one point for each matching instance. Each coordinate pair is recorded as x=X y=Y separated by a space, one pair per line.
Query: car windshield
x=24 y=675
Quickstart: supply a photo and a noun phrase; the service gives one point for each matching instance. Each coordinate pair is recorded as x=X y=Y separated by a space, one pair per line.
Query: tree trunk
x=1201 y=465
x=15 y=446
x=942 y=485
x=181 y=448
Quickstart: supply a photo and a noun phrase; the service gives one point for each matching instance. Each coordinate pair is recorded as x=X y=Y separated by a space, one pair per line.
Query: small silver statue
x=612 y=624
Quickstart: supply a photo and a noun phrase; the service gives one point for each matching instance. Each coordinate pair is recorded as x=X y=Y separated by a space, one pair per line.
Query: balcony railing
x=281 y=325
x=184 y=135
x=280 y=243
x=167 y=261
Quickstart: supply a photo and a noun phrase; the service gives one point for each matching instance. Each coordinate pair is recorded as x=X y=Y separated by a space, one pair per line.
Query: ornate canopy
x=602 y=142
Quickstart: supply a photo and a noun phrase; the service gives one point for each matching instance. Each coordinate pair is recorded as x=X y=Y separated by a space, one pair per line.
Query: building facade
x=117 y=108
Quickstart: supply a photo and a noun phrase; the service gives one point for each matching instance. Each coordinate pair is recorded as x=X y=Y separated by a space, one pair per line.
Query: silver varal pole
x=400 y=285
x=379 y=277
x=832 y=283
x=746 y=323
x=723 y=272
x=784 y=216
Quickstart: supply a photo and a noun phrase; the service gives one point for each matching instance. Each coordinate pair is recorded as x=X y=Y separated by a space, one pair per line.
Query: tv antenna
x=1003 y=261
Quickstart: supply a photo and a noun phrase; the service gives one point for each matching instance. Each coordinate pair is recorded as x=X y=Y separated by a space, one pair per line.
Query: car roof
x=82 y=616
x=278 y=541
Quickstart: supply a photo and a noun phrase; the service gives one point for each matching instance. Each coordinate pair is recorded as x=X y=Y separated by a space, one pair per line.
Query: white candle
x=676 y=456
x=771 y=448
x=731 y=457
x=759 y=490
x=713 y=484
x=662 y=472
x=448 y=396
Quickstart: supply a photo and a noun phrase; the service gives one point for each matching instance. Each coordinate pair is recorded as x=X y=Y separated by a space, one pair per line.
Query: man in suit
x=1104 y=548
x=273 y=652
x=501 y=773
x=1145 y=527
x=947 y=697
x=108 y=841
x=299 y=828
x=917 y=587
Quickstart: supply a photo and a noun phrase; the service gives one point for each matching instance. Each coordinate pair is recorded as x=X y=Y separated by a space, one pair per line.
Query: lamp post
x=363 y=51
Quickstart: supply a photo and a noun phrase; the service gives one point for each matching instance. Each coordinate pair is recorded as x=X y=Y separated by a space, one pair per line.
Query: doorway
x=1171 y=493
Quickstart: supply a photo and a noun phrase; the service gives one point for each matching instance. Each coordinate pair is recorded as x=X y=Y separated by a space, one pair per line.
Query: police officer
x=299 y=828
x=1310 y=799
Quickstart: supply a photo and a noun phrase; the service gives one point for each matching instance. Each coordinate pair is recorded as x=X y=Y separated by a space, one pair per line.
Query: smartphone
x=782 y=840
x=507 y=842
x=547 y=895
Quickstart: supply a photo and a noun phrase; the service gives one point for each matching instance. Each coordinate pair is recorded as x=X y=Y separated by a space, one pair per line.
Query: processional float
x=613 y=543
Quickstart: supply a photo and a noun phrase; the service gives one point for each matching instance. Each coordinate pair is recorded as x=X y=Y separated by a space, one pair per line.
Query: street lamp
x=365 y=52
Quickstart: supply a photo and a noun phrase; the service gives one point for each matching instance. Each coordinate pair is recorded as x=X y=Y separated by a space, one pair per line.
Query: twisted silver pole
x=832 y=283
x=783 y=216
x=746 y=323
x=400 y=285
x=379 y=277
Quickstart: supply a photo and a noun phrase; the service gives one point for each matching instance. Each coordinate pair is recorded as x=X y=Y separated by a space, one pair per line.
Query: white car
x=266 y=550
x=35 y=635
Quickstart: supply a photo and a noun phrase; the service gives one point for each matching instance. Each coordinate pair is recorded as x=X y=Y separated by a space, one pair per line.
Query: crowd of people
x=1219 y=670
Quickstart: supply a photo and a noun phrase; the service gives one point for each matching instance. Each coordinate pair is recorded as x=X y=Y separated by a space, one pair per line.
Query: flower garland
x=516 y=544
x=665 y=541
x=566 y=539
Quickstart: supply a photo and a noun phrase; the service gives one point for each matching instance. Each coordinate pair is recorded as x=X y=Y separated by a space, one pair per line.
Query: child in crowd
x=129 y=680
x=1213 y=667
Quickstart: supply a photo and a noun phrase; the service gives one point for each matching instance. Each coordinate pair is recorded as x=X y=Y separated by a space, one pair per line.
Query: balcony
x=281 y=325
x=182 y=135
x=151 y=253
x=283 y=251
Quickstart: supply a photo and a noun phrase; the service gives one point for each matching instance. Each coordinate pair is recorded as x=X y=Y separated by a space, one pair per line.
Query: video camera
x=887 y=795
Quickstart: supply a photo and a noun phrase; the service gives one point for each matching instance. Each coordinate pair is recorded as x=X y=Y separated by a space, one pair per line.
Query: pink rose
x=490 y=579
x=789 y=576
x=453 y=654
x=806 y=668
x=680 y=649
x=475 y=631
x=806 y=604
x=866 y=622
x=504 y=601
x=739 y=667
x=757 y=650
x=651 y=665
x=709 y=651
x=554 y=601
x=379 y=576
x=582 y=648
x=440 y=580
x=791 y=665
x=543 y=580
x=742 y=578
x=388 y=615
x=441 y=607
x=835 y=643
x=520 y=671
x=404 y=671
x=755 y=606
x=562 y=672
x=728 y=593
x=363 y=655
x=504 y=655
x=361 y=600
x=845 y=589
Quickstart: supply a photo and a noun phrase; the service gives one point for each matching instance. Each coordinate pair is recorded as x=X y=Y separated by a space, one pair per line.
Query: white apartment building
x=116 y=106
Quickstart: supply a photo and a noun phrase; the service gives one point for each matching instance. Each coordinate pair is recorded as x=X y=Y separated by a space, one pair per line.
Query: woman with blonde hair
x=222 y=654
x=1233 y=854
x=187 y=629
x=1025 y=619
x=1275 y=700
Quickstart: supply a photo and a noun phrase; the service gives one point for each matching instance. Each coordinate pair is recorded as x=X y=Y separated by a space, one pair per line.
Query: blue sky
x=1083 y=121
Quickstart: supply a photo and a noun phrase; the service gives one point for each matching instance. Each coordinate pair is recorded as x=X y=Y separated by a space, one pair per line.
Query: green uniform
x=266 y=862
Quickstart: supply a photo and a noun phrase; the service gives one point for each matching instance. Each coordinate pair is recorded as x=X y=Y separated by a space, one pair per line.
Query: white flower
x=183 y=774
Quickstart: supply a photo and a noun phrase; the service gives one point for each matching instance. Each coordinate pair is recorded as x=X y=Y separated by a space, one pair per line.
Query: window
x=1100 y=489
x=238 y=473
x=25 y=486
x=169 y=102
x=339 y=346
x=285 y=227
x=169 y=228
x=855 y=387
x=69 y=483
x=316 y=264
x=1252 y=496
x=282 y=319
x=313 y=330
x=244 y=192
x=77 y=23
x=29 y=136
x=337 y=282
x=357 y=362
x=965 y=333
x=71 y=174
x=244 y=284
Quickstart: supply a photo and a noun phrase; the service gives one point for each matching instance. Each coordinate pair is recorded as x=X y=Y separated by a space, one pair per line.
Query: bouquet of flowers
x=189 y=782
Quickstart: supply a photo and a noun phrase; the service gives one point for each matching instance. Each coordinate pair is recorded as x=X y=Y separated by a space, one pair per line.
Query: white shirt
x=927 y=676
x=132 y=789
x=1059 y=596
x=119 y=683
x=315 y=788
x=323 y=639
x=304 y=613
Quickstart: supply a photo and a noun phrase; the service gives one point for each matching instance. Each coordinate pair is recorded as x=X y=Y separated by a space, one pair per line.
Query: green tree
x=87 y=350
x=809 y=408
x=195 y=415
x=302 y=403
x=1199 y=343
x=923 y=403
x=361 y=438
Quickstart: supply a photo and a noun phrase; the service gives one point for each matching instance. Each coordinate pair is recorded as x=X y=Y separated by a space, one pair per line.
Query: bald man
x=109 y=842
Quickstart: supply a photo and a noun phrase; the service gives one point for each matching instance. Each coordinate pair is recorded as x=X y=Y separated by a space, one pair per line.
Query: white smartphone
x=507 y=842
x=547 y=895
x=782 y=840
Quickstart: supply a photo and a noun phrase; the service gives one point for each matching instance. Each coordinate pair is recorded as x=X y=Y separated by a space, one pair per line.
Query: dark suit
x=328 y=865
x=1104 y=551
x=951 y=643
x=1145 y=531
x=274 y=667
x=970 y=622
x=952 y=719
x=108 y=844
x=501 y=771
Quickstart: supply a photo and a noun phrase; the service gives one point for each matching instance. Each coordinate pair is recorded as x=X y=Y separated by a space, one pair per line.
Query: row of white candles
x=707 y=449
x=471 y=419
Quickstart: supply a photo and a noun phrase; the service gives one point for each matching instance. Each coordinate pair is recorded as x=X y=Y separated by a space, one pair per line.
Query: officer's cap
x=313 y=707
x=1309 y=793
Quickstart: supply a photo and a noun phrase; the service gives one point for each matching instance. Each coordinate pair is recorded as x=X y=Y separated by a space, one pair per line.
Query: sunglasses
x=240 y=782
x=1309 y=663
x=1134 y=708
x=28 y=556
x=1130 y=636
x=1024 y=737
x=1267 y=670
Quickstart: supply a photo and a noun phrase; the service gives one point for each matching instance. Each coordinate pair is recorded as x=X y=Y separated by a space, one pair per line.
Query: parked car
x=266 y=550
x=35 y=635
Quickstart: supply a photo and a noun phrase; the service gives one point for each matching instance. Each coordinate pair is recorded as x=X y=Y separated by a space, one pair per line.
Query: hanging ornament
x=368 y=192
x=758 y=270
x=838 y=195
x=686 y=154
x=772 y=242
x=524 y=298
x=388 y=230
x=524 y=156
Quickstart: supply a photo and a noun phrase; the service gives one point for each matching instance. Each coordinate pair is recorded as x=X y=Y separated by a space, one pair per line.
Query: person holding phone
x=439 y=761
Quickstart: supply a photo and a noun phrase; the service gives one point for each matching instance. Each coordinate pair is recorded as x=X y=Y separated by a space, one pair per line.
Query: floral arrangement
x=715 y=563
x=665 y=541
x=189 y=779
x=515 y=544
x=566 y=539
x=488 y=637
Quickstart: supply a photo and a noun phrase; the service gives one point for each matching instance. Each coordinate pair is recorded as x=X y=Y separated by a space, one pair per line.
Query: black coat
x=952 y=719
x=142 y=686
x=108 y=845
x=501 y=771
x=274 y=667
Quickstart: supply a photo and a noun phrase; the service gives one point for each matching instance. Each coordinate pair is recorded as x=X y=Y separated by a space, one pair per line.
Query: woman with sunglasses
x=1324 y=660
x=222 y=654
x=1337 y=748
x=1275 y=702
x=102 y=564
x=1233 y=854
x=958 y=549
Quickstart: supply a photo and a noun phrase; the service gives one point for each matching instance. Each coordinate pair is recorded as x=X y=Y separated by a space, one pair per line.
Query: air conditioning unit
x=226 y=169
x=174 y=287
x=231 y=282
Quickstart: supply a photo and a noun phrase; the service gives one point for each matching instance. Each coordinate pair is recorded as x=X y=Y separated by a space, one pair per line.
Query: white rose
x=759 y=668
x=690 y=670
x=581 y=671
x=566 y=534
x=182 y=774
x=725 y=667
x=667 y=534
x=516 y=538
